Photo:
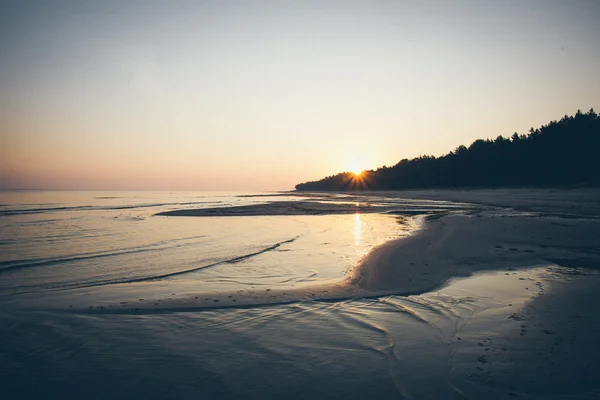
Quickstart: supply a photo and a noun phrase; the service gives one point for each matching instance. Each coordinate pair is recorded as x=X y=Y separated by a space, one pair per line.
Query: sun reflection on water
x=357 y=229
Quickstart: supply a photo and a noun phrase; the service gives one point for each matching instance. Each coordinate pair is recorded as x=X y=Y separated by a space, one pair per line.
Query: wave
x=233 y=260
x=43 y=210
x=105 y=282
x=41 y=262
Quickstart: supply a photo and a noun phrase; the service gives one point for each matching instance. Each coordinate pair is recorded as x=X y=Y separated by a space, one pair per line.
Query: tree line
x=560 y=153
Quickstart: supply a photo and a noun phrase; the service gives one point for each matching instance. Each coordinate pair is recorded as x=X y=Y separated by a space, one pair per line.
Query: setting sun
x=357 y=165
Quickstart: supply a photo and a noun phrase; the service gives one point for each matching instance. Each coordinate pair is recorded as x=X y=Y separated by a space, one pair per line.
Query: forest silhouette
x=561 y=153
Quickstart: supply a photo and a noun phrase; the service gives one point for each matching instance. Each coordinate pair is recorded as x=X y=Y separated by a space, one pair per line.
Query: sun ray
x=358 y=181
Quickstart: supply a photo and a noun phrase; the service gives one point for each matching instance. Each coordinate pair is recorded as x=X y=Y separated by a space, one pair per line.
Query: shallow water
x=63 y=252
x=86 y=248
x=56 y=244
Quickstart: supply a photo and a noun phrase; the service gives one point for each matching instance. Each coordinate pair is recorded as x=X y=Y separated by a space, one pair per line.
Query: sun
x=357 y=174
x=357 y=167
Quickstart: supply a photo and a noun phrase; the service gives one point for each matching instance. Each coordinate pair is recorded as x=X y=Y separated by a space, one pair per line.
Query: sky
x=262 y=95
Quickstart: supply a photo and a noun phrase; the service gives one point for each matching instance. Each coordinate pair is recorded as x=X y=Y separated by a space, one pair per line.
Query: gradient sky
x=261 y=95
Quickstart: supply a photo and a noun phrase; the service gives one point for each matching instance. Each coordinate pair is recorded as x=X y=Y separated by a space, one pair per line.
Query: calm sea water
x=65 y=256
x=110 y=244
x=61 y=252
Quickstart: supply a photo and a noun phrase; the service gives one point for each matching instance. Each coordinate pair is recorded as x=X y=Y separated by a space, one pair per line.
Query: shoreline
x=451 y=243
x=492 y=229
x=443 y=249
x=455 y=240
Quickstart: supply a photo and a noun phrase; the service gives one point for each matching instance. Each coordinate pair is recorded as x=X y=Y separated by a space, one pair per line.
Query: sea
x=75 y=264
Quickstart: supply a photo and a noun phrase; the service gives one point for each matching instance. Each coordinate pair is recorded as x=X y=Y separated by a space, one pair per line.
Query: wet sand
x=458 y=245
x=324 y=206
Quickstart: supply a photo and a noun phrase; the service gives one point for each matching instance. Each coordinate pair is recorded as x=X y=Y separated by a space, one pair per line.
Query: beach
x=442 y=294
x=266 y=200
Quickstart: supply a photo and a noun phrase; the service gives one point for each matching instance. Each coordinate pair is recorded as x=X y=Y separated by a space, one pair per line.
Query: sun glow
x=357 y=166
x=357 y=172
x=357 y=229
